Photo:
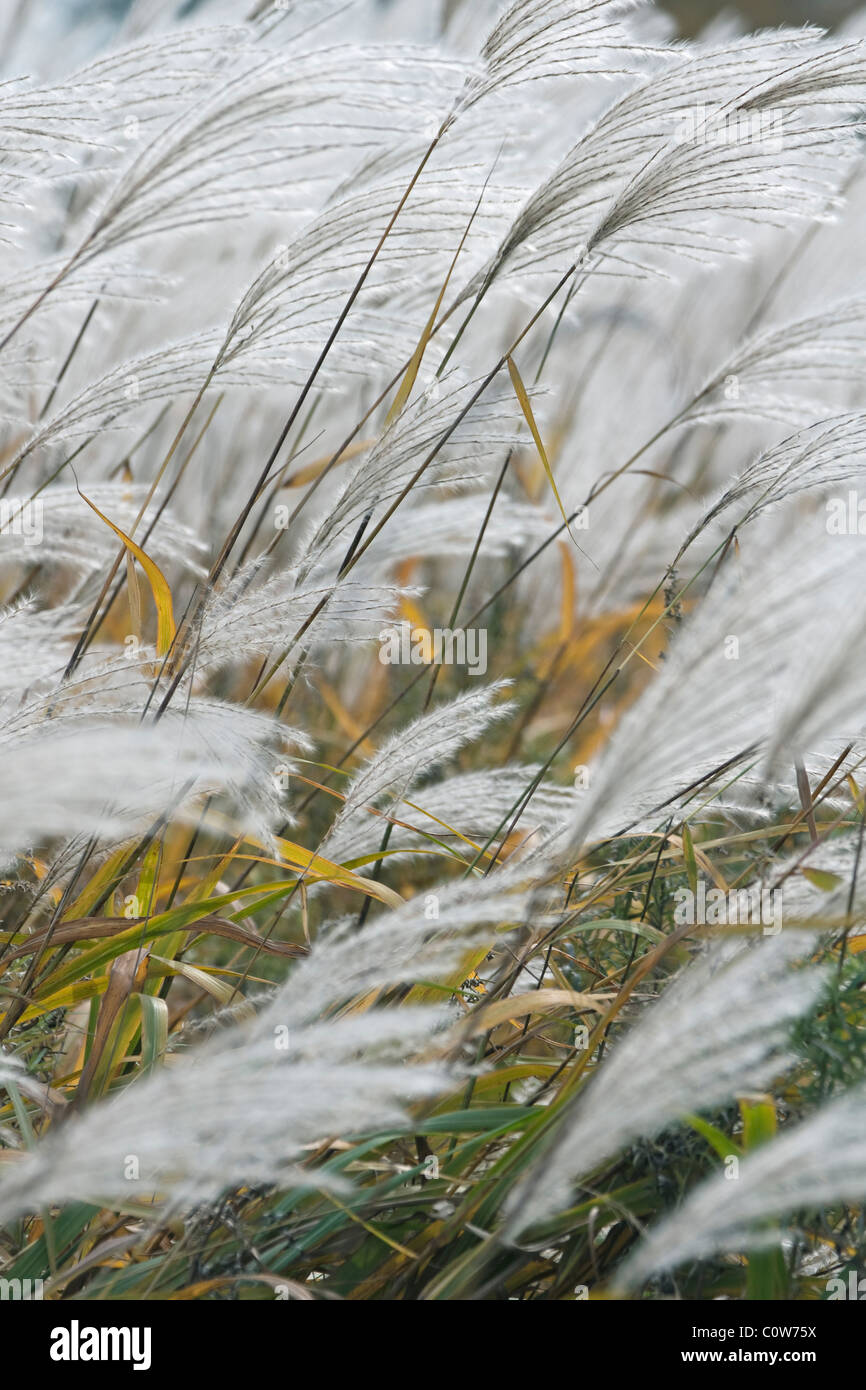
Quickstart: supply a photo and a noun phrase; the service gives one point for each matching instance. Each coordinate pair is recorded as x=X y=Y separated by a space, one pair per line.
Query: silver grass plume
x=817 y=1163
x=754 y=669
x=466 y=804
x=720 y=1029
x=296 y=1079
x=414 y=751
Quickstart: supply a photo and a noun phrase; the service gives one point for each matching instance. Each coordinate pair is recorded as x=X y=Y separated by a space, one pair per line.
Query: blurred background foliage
x=691 y=15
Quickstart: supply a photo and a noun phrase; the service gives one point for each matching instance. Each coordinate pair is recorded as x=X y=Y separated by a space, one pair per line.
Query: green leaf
x=724 y=1146
x=154 y=1030
x=689 y=856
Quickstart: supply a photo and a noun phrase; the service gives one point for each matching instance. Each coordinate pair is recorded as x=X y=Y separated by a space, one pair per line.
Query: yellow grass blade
x=526 y=406
x=411 y=373
x=158 y=585
x=300 y=858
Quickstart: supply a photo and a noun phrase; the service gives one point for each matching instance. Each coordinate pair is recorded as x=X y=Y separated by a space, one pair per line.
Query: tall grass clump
x=431 y=653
